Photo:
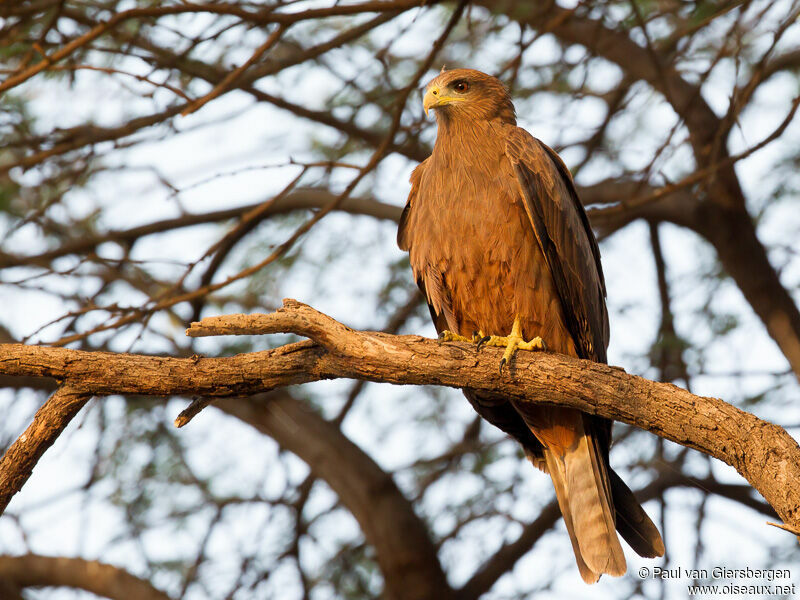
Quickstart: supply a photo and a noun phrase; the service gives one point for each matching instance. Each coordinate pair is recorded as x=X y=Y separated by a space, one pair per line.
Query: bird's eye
x=461 y=86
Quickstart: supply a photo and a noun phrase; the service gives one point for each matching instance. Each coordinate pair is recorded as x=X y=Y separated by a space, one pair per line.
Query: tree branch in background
x=108 y=581
x=299 y=199
x=408 y=559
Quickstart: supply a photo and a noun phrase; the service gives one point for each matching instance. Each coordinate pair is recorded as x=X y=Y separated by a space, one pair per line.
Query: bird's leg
x=512 y=342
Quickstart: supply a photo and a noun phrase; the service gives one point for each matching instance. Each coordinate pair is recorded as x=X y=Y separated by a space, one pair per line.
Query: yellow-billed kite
x=500 y=244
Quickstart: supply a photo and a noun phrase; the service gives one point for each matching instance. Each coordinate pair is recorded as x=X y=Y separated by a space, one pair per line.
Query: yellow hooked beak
x=435 y=97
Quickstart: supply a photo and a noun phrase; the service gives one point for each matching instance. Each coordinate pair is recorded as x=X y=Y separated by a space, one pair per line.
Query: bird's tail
x=584 y=493
x=633 y=524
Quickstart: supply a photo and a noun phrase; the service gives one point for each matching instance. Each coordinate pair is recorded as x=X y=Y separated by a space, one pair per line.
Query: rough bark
x=761 y=452
x=50 y=420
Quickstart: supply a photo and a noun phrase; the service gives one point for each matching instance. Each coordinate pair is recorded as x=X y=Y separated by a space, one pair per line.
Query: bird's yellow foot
x=449 y=336
x=512 y=342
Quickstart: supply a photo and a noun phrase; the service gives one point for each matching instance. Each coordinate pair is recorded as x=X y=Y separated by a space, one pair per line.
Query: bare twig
x=231 y=77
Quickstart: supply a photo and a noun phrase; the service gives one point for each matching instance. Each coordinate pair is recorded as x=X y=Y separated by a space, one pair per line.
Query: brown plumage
x=495 y=232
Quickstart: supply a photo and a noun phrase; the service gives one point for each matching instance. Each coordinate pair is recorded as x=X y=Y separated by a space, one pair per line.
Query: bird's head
x=468 y=94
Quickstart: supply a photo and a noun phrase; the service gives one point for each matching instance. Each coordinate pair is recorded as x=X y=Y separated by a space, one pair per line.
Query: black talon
x=441 y=336
x=482 y=341
x=502 y=364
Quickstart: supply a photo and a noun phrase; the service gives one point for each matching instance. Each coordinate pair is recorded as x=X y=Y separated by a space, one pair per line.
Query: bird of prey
x=502 y=249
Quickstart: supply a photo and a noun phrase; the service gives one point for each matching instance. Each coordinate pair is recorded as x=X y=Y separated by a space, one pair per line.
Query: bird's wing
x=428 y=278
x=566 y=239
x=578 y=466
x=403 y=239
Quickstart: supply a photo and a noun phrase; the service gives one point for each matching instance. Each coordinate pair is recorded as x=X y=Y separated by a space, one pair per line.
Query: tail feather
x=594 y=501
x=582 y=489
x=587 y=474
x=557 y=470
x=633 y=524
x=592 y=508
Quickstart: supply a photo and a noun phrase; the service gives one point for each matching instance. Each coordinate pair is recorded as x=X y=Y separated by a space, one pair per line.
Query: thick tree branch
x=108 y=581
x=761 y=452
x=50 y=420
x=675 y=207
